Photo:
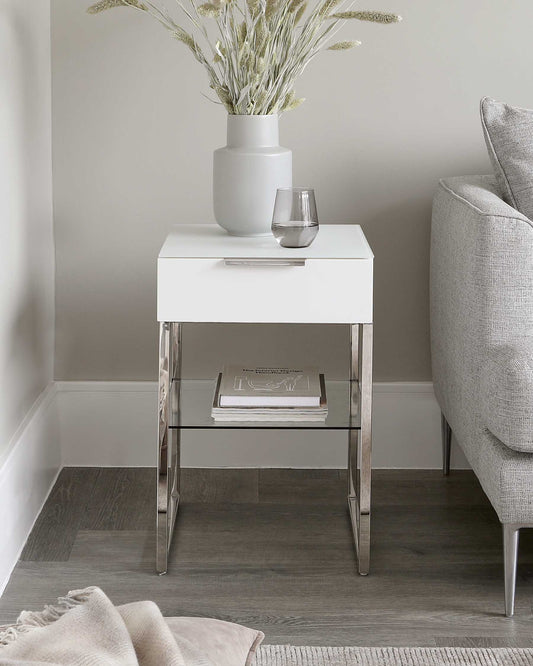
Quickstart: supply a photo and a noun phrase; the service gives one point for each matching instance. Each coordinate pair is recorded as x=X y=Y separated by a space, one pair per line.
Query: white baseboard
x=114 y=424
x=27 y=473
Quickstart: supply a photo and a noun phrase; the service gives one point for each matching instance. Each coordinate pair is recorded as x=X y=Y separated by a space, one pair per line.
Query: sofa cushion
x=507 y=394
x=508 y=133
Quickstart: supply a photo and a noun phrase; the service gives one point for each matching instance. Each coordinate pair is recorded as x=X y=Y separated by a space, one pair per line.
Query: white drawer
x=331 y=291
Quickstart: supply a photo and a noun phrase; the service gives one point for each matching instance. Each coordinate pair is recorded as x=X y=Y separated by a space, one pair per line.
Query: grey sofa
x=482 y=346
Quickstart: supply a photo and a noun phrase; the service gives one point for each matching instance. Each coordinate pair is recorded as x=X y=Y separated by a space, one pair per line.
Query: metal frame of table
x=359 y=441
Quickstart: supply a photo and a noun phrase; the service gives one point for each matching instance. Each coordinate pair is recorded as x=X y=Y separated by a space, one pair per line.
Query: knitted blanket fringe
x=29 y=620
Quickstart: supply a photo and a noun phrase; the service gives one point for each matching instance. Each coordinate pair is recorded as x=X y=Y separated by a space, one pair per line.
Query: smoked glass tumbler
x=295 y=219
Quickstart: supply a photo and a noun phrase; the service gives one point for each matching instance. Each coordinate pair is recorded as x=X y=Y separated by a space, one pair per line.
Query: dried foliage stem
x=257 y=48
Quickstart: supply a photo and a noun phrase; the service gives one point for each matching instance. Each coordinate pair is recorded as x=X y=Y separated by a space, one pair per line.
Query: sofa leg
x=510 y=559
x=446 y=433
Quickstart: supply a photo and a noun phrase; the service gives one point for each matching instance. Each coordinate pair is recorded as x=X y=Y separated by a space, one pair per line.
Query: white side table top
x=206 y=275
x=202 y=241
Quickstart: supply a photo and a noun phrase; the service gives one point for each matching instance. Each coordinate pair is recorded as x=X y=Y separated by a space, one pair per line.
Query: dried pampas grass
x=254 y=50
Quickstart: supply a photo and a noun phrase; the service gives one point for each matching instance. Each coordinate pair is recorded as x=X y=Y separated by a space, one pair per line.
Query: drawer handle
x=264 y=262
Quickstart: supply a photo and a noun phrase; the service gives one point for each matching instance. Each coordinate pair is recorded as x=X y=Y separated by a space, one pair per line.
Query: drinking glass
x=295 y=219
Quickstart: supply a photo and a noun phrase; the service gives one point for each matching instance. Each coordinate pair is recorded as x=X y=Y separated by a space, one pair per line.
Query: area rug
x=288 y=655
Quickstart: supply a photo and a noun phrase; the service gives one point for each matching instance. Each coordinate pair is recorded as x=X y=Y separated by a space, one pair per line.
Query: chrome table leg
x=168 y=441
x=360 y=442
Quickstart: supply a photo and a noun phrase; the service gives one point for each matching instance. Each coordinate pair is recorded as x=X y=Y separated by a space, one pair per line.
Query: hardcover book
x=278 y=414
x=269 y=387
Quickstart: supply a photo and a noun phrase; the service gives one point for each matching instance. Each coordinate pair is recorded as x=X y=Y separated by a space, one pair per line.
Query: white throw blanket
x=86 y=629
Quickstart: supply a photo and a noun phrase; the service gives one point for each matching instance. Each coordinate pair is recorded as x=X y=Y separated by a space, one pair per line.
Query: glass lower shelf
x=196 y=401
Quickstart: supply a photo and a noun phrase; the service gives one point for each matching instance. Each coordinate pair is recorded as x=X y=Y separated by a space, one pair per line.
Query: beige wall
x=26 y=241
x=133 y=139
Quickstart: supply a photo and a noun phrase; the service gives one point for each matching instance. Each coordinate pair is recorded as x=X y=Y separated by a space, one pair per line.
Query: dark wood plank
x=427 y=487
x=302 y=486
x=57 y=525
x=273 y=550
x=120 y=549
x=122 y=499
x=219 y=485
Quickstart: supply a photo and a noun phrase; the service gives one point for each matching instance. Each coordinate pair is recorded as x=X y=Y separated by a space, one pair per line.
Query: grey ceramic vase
x=247 y=173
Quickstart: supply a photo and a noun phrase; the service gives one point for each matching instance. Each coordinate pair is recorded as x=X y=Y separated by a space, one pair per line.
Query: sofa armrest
x=506 y=391
x=481 y=289
x=481 y=194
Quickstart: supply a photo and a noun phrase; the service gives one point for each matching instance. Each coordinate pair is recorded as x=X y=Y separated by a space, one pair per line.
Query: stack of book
x=269 y=394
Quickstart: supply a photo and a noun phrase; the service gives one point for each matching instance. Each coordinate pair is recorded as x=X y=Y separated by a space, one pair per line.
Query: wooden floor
x=272 y=549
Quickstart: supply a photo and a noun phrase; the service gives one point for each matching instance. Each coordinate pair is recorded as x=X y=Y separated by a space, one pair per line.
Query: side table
x=205 y=275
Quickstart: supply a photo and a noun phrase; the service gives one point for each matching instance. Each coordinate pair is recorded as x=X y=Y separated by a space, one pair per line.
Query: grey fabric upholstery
x=507 y=394
x=508 y=133
x=481 y=298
